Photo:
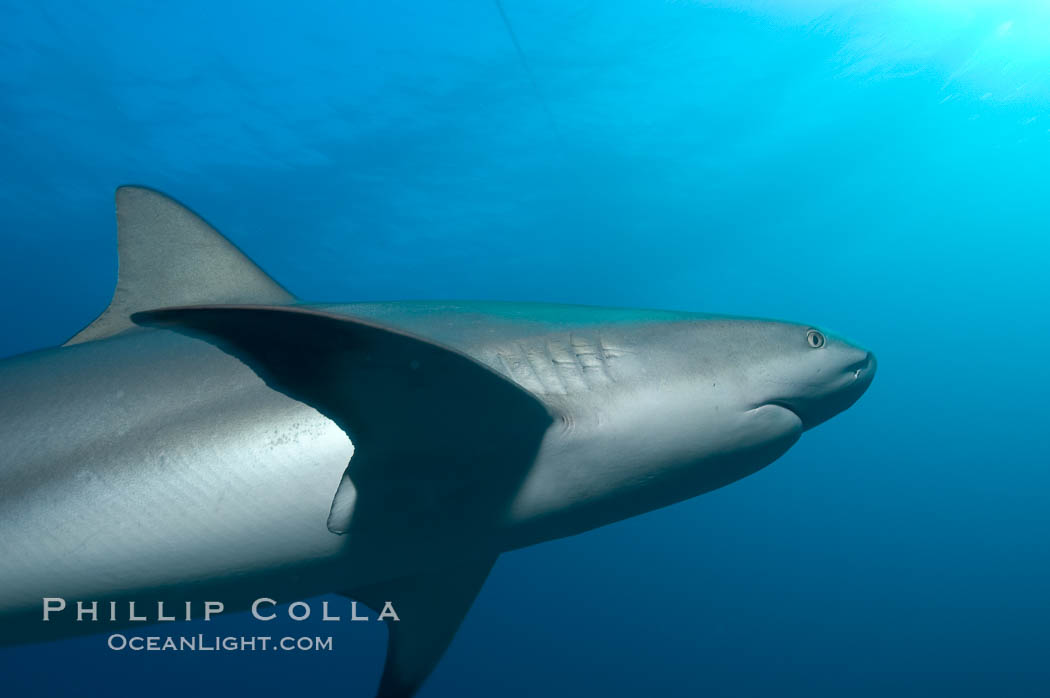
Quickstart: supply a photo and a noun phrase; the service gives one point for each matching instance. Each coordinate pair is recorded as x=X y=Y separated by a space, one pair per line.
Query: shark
x=210 y=435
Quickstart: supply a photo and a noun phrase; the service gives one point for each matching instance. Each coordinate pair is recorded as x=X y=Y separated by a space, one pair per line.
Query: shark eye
x=815 y=339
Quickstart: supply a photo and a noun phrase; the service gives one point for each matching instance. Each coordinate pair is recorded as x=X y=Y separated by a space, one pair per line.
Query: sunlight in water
x=991 y=50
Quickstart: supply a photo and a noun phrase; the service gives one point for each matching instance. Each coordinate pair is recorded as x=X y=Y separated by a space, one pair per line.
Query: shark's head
x=691 y=405
x=732 y=395
x=752 y=387
x=808 y=371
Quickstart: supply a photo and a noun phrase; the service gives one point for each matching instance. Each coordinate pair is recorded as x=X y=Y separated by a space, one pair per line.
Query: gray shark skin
x=211 y=437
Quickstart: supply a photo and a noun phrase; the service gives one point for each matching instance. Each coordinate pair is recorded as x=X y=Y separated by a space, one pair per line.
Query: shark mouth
x=784 y=405
x=781 y=405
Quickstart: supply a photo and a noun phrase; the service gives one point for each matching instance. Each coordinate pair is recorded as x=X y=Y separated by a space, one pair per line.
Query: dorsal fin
x=167 y=256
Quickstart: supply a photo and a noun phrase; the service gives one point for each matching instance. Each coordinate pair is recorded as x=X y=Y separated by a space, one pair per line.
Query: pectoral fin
x=430 y=607
x=441 y=441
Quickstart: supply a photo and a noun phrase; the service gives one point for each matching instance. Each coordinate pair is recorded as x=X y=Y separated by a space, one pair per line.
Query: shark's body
x=145 y=463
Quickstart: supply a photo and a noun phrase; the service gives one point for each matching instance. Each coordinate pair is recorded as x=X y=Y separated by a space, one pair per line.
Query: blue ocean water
x=875 y=168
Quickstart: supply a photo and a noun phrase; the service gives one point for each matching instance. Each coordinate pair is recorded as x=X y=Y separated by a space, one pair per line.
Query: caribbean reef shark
x=210 y=436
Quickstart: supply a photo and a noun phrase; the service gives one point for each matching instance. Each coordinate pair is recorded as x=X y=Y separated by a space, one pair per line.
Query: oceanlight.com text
x=119 y=642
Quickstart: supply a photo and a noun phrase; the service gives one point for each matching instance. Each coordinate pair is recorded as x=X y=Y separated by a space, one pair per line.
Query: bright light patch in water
x=983 y=49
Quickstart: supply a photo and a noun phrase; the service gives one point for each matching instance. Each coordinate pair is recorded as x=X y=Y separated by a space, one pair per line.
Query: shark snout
x=842 y=392
x=819 y=401
x=863 y=371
